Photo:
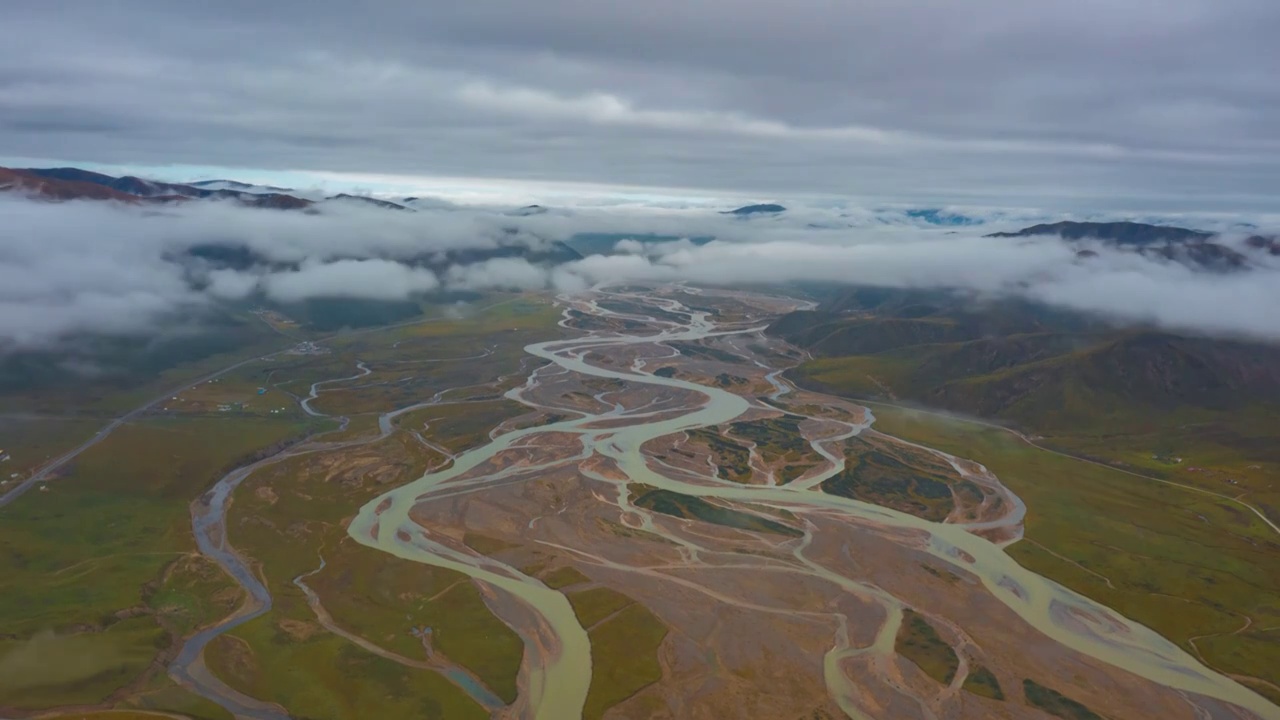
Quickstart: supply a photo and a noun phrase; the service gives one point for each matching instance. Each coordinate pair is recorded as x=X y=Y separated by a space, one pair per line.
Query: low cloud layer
x=75 y=269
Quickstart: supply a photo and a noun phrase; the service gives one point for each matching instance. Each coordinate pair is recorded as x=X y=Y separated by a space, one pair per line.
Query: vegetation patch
x=983 y=683
x=194 y=593
x=918 y=642
x=624 y=658
x=939 y=573
x=876 y=474
x=679 y=505
x=486 y=545
x=704 y=352
x=564 y=577
x=461 y=426
x=733 y=461
x=592 y=606
x=1055 y=703
x=779 y=440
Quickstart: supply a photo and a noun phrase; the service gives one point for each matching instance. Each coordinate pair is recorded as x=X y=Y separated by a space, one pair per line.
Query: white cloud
x=498 y=273
x=371 y=279
x=232 y=285
x=80 y=268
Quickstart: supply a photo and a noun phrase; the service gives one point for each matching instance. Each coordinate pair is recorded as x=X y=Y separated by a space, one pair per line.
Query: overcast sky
x=1066 y=104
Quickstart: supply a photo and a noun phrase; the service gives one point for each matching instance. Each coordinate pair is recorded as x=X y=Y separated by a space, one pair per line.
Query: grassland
x=1187 y=565
x=290 y=516
x=564 y=577
x=48 y=669
x=625 y=638
x=324 y=676
x=459 y=426
x=920 y=643
x=162 y=694
x=32 y=441
x=593 y=605
x=96 y=576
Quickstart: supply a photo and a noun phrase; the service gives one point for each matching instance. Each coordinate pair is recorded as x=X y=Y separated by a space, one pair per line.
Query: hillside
x=1121 y=378
x=1041 y=371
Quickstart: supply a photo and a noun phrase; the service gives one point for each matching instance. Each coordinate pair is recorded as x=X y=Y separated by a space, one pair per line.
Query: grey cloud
x=1126 y=287
x=79 y=268
x=85 y=267
x=374 y=279
x=499 y=273
x=1066 y=104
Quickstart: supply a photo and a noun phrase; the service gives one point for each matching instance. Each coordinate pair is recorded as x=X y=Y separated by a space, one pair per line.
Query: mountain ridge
x=69 y=183
x=1193 y=248
x=1037 y=368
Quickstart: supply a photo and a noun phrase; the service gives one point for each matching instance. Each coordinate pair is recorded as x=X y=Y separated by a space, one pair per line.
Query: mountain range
x=67 y=183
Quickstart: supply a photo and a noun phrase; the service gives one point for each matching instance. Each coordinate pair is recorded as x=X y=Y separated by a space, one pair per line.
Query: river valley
x=763 y=530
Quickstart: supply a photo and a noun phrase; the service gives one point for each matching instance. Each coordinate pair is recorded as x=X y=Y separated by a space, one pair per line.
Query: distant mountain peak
x=24 y=182
x=1113 y=233
x=938 y=216
x=68 y=183
x=1192 y=248
x=760 y=209
x=384 y=204
x=237 y=185
x=1260 y=242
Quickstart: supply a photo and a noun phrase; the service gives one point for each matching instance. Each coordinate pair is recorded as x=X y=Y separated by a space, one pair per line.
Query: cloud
x=1125 y=287
x=97 y=268
x=1120 y=104
x=370 y=279
x=498 y=273
x=75 y=269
